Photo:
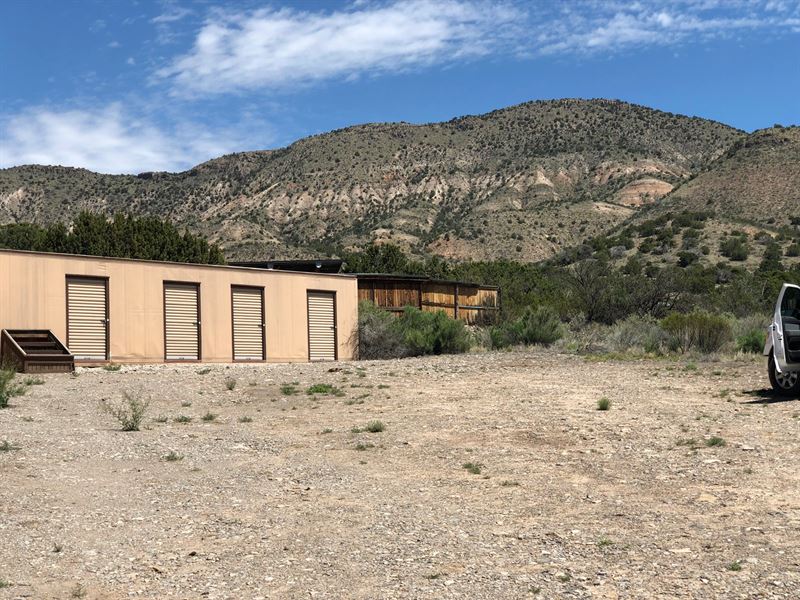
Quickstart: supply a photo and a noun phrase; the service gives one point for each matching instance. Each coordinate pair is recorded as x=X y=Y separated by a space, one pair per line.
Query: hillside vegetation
x=522 y=183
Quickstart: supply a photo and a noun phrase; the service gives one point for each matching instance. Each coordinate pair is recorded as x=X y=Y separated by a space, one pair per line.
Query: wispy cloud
x=277 y=48
x=598 y=26
x=109 y=140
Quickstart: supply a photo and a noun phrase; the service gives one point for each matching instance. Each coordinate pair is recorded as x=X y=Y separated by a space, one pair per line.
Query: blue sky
x=125 y=87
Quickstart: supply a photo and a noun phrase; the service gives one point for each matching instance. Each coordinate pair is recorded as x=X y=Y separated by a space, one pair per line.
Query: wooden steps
x=35 y=351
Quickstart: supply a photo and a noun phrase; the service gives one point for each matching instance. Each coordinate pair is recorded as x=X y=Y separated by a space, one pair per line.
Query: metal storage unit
x=247 y=305
x=87 y=318
x=321 y=326
x=181 y=321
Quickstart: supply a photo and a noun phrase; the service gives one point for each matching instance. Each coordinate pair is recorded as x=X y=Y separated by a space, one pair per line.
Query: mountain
x=757 y=180
x=522 y=182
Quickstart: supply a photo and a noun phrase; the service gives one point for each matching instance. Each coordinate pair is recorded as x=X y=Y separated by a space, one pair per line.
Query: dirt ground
x=570 y=501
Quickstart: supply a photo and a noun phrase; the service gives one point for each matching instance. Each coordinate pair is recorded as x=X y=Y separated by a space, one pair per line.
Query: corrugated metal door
x=248 y=323
x=87 y=318
x=182 y=321
x=321 y=326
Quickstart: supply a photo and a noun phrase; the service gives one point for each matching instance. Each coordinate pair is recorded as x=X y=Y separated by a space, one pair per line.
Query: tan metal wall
x=33 y=296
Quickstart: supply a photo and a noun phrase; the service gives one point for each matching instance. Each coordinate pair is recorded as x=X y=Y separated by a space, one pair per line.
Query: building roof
x=234 y=265
x=323 y=265
x=420 y=278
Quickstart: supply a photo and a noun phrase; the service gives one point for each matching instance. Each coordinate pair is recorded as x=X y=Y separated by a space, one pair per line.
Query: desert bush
x=636 y=333
x=735 y=248
x=432 y=333
x=750 y=334
x=130 y=412
x=8 y=387
x=378 y=336
x=539 y=325
x=413 y=333
x=697 y=330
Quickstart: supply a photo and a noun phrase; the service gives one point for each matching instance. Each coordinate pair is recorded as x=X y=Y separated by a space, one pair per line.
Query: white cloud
x=282 y=48
x=108 y=140
x=607 y=26
x=176 y=13
x=277 y=48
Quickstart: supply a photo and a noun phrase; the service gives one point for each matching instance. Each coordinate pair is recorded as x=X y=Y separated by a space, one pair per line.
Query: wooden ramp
x=35 y=351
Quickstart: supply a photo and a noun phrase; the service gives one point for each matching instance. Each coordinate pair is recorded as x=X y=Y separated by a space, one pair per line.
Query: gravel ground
x=569 y=501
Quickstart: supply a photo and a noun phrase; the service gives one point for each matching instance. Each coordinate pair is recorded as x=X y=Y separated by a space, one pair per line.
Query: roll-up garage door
x=321 y=326
x=182 y=321
x=87 y=318
x=248 y=323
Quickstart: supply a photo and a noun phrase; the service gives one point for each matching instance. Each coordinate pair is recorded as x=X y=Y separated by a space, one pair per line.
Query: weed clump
x=472 y=467
x=230 y=383
x=130 y=412
x=604 y=404
x=325 y=389
x=8 y=387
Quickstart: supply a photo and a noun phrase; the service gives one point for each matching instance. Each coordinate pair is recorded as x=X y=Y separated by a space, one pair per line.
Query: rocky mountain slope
x=522 y=183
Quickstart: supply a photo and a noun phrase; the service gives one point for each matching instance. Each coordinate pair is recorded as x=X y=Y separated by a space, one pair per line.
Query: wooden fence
x=472 y=303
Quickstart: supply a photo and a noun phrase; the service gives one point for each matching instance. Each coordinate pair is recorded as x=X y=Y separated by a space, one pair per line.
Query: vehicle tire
x=783 y=384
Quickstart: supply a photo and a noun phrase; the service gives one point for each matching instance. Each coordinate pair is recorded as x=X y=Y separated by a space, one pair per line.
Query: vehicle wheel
x=784 y=384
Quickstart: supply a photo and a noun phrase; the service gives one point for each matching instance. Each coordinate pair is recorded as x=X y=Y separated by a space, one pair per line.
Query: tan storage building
x=135 y=311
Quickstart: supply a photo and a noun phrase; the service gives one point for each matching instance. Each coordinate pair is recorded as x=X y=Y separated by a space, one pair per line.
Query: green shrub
x=735 y=248
x=604 y=404
x=8 y=387
x=636 y=333
x=324 y=388
x=130 y=412
x=697 y=330
x=432 y=333
x=539 y=325
x=413 y=333
x=378 y=335
x=750 y=333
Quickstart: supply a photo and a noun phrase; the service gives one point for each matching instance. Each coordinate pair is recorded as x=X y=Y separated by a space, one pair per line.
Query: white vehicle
x=783 y=343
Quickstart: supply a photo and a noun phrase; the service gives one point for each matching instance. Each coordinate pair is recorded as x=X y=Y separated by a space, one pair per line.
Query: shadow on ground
x=766 y=396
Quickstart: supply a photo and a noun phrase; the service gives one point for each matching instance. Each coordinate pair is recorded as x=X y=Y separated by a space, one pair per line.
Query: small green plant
x=78 y=591
x=7 y=446
x=690 y=442
x=564 y=577
x=324 y=388
x=112 y=367
x=432 y=576
x=327 y=430
x=289 y=389
x=186 y=403
x=604 y=542
x=204 y=371
x=173 y=456
x=383 y=386
x=161 y=419
x=375 y=427
x=508 y=483
x=245 y=419
x=57 y=548
x=34 y=381
x=603 y=404
x=4 y=584
x=183 y=419
x=130 y=412
x=735 y=566
x=230 y=383
x=209 y=416
x=8 y=387
x=715 y=441
x=361 y=446
x=472 y=467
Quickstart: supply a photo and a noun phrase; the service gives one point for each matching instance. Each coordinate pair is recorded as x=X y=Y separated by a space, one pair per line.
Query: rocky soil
x=688 y=487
